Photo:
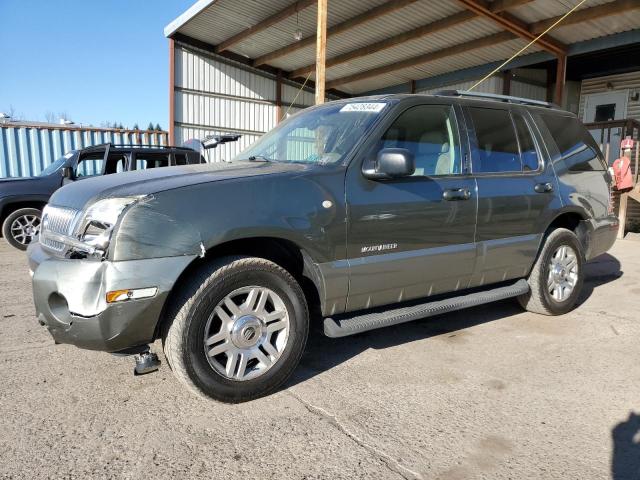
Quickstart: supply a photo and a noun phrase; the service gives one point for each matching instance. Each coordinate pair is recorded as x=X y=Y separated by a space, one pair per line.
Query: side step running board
x=370 y=321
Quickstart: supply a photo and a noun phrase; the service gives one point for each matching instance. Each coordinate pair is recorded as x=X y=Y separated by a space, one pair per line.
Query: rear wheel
x=557 y=277
x=21 y=227
x=238 y=330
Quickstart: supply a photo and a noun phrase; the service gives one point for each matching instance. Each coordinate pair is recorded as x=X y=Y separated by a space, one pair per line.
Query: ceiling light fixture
x=297 y=35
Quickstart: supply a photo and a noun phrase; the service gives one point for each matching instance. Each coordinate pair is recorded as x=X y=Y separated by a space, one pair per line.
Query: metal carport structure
x=388 y=45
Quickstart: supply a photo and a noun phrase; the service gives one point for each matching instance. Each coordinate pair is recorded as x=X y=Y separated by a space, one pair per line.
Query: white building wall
x=215 y=96
x=624 y=81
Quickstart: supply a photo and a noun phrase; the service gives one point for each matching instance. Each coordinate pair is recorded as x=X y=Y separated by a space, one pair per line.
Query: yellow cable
x=529 y=44
x=296 y=97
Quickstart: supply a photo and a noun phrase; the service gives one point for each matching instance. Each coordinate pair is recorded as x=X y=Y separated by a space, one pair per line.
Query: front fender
x=306 y=209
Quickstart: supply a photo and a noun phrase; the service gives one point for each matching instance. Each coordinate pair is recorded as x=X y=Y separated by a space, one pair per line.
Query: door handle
x=456 y=194
x=543 y=187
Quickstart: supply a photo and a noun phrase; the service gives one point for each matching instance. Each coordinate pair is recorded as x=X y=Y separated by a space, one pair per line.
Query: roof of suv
x=115 y=147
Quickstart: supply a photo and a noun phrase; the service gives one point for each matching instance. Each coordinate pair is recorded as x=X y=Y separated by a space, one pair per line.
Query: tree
x=50 y=117
x=158 y=127
x=120 y=126
x=150 y=127
x=136 y=127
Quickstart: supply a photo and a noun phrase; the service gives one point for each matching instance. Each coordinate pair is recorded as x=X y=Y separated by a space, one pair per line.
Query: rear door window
x=528 y=152
x=151 y=160
x=181 y=159
x=116 y=163
x=576 y=146
x=497 y=148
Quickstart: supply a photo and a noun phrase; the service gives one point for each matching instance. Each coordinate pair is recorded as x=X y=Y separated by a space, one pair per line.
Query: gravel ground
x=486 y=393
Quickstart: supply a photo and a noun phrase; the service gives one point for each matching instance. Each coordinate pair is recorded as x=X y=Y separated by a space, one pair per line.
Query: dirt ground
x=487 y=393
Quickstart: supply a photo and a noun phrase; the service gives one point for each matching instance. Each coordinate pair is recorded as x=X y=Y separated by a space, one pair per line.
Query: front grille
x=57 y=220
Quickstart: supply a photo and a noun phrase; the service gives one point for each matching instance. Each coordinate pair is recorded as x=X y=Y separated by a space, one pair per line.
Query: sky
x=96 y=61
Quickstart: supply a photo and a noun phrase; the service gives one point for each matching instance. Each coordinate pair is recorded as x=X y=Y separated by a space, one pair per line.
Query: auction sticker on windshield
x=363 y=107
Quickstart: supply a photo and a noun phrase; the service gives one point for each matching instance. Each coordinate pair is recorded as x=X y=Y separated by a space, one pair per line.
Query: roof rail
x=129 y=145
x=501 y=98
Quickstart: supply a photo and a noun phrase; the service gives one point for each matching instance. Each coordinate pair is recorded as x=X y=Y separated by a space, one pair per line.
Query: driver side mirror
x=392 y=163
x=67 y=172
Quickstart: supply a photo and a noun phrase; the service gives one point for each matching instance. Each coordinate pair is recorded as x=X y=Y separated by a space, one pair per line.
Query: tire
x=549 y=298
x=20 y=227
x=195 y=309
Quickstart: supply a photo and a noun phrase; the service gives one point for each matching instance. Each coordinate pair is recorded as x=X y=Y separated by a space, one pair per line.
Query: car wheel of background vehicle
x=557 y=276
x=237 y=329
x=21 y=227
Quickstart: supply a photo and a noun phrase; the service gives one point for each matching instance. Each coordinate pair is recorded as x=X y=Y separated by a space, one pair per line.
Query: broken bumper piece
x=70 y=297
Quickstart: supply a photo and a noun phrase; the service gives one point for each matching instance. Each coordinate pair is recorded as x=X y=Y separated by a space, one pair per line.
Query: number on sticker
x=363 y=107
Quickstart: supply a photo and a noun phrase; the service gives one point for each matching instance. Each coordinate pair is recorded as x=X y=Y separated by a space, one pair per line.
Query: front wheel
x=557 y=276
x=237 y=330
x=21 y=227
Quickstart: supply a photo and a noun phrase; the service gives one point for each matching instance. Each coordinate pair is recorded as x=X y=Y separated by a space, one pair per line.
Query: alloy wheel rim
x=25 y=228
x=563 y=273
x=246 y=333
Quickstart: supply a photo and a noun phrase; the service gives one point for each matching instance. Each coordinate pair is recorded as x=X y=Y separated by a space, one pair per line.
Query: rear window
x=575 y=144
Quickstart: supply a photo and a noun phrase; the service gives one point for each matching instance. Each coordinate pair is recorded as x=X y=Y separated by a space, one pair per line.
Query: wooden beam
x=514 y=25
x=264 y=24
x=321 y=50
x=561 y=74
x=422 y=31
x=172 y=97
x=425 y=58
x=349 y=24
x=586 y=14
x=279 y=97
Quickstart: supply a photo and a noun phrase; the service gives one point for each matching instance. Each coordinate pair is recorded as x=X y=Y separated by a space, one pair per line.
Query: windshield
x=320 y=136
x=55 y=165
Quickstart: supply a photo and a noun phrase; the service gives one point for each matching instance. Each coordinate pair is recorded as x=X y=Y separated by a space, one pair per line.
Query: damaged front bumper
x=70 y=298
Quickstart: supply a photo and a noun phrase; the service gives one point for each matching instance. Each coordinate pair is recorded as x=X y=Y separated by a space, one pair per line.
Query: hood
x=4 y=181
x=27 y=186
x=154 y=180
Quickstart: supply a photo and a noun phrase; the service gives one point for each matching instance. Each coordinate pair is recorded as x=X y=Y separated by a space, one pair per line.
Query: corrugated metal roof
x=448 y=64
x=214 y=21
x=543 y=9
x=601 y=27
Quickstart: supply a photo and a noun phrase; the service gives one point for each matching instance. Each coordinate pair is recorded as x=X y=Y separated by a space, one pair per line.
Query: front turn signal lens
x=130 y=294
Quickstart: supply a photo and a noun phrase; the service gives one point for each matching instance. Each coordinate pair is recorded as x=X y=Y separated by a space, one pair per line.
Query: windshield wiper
x=259 y=158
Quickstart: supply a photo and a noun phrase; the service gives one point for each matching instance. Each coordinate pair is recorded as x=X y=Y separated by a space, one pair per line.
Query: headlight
x=98 y=221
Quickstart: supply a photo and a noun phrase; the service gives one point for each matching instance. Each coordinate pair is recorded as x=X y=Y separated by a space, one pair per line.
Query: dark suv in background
x=22 y=199
x=372 y=211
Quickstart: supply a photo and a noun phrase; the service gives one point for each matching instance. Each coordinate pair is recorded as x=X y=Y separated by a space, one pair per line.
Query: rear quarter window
x=577 y=148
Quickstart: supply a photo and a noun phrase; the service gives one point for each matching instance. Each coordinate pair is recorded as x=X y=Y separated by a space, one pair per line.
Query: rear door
x=412 y=237
x=517 y=191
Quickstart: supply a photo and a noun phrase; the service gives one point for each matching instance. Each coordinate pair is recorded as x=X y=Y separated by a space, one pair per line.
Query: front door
x=605 y=107
x=517 y=192
x=412 y=237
